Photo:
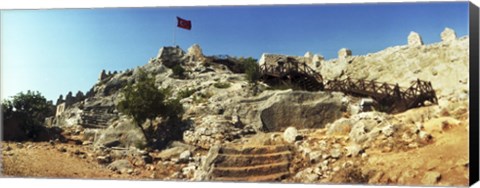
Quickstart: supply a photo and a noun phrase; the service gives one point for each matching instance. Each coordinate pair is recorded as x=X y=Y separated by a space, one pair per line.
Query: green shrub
x=178 y=71
x=252 y=70
x=222 y=85
x=143 y=100
x=31 y=109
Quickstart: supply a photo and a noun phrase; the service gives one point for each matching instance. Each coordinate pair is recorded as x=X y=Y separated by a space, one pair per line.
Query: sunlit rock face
x=414 y=39
x=448 y=35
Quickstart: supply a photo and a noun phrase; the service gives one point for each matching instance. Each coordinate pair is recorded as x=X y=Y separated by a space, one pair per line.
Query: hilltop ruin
x=317 y=132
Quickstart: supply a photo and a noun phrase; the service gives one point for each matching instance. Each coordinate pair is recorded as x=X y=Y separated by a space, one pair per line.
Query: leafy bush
x=178 y=71
x=252 y=70
x=29 y=110
x=222 y=85
x=7 y=109
x=143 y=100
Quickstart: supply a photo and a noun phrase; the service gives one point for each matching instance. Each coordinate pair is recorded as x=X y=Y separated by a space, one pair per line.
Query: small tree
x=143 y=100
x=252 y=70
x=31 y=108
x=34 y=105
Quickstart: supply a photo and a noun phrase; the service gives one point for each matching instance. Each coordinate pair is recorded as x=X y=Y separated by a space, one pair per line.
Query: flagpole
x=174 y=34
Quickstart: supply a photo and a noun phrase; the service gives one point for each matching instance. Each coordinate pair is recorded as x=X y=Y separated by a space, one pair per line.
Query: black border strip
x=474 y=103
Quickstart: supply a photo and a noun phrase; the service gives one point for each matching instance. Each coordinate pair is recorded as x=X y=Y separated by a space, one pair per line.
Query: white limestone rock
x=414 y=39
x=448 y=35
x=195 y=52
x=344 y=53
x=291 y=135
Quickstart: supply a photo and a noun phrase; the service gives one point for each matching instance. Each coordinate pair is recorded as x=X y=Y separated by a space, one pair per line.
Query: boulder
x=170 y=153
x=291 y=108
x=113 y=86
x=184 y=156
x=123 y=133
x=171 y=56
x=336 y=153
x=203 y=173
x=291 y=135
x=389 y=130
x=368 y=126
x=342 y=126
x=195 y=53
x=155 y=69
x=448 y=35
x=308 y=58
x=104 y=159
x=414 y=39
x=122 y=166
x=314 y=156
x=344 y=53
x=431 y=178
x=211 y=129
x=353 y=150
x=317 y=60
x=306 y=176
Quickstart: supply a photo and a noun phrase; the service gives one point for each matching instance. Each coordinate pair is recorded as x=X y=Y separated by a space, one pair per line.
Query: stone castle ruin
x=311 y=60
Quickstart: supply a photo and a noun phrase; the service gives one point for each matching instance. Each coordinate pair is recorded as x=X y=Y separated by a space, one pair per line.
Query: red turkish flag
x=185 y=24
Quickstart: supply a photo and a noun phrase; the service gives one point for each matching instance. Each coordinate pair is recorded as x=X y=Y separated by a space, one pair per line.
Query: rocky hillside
x=288 y=135
x=445 y=64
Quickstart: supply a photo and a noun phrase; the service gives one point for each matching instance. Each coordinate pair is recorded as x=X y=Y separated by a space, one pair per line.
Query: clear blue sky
x=56 y=51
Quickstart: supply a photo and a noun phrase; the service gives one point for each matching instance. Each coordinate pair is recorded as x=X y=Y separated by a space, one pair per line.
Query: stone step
x=254 y=150
x=95 y=117
x=95 y=120
x=264 y=178
x=228 y=160
x=90 y=125
x=256 y=170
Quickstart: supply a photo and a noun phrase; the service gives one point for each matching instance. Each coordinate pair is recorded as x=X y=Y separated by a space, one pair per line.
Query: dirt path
x=448 y=156
x=45 y=160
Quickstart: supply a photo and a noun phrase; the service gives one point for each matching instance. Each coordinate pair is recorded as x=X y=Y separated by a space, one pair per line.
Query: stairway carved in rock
x=252 y=163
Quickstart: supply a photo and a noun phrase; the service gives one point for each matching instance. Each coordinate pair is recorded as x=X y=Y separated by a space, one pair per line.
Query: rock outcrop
x=443 y=65
x=195 y=53
x=291 y=135
x=448 y=35
x=344 y=53
x=414 y=39
x=293 y=108
x=123 y=133
x=317 y=60
x=171 y=56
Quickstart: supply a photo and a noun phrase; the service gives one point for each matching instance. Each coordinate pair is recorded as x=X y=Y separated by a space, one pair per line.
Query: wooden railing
x=392 y=96
x=290 y=68
x=387 y=94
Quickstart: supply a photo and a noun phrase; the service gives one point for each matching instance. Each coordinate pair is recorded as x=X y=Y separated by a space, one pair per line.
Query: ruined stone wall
x=60 y=109
x=310 y=59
